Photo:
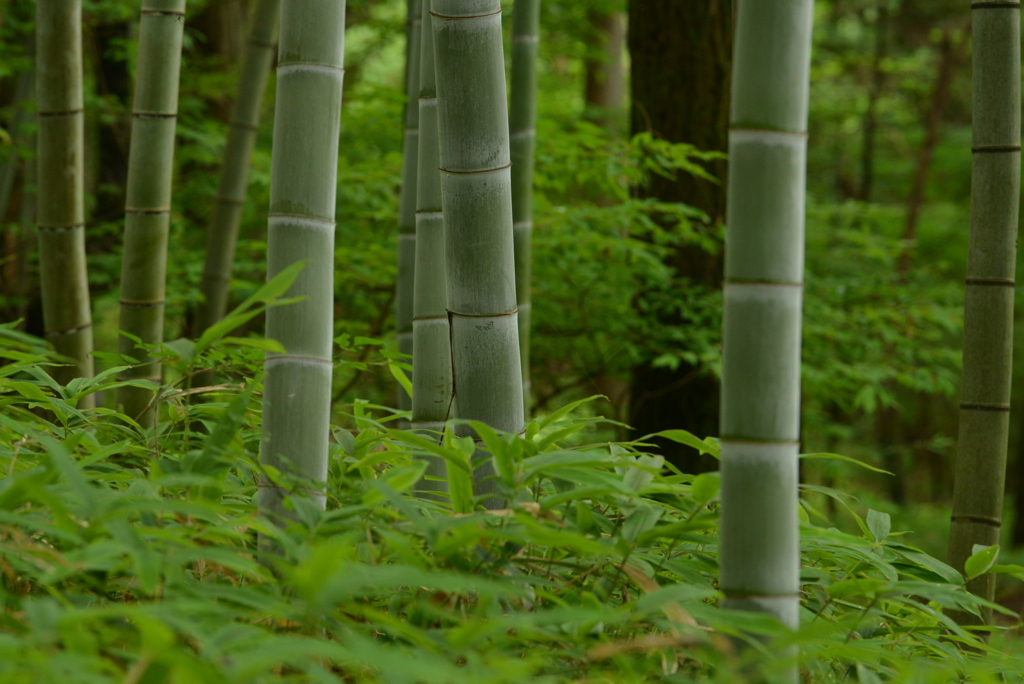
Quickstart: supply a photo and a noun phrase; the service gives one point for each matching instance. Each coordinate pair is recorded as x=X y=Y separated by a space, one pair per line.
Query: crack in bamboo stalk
x=1001 y=408
x=463 y=16
x=996 y=282
x=466 y=173
x=979 y=519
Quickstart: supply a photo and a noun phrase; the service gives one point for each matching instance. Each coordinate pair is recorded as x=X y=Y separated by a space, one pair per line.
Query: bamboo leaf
x=981 y=561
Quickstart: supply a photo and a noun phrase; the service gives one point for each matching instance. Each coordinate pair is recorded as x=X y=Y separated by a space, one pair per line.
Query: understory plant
x=129 y=556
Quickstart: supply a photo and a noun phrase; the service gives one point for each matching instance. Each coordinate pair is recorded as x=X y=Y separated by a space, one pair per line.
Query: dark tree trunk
x=604 y=89
x=680 y=78
x=867 y=158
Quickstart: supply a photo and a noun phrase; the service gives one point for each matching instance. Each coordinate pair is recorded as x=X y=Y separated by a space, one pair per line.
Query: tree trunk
x=759 y=553
x=867 y=157
x=234 y=176
x=947 y=63
x=988 y=307
x=304 y=172
x=476 y=186
x=60 y=212
x=604 y=85
x=148 y=202
x=523 y=135
x=404 y=285
x=432 y=349
x=688 y=102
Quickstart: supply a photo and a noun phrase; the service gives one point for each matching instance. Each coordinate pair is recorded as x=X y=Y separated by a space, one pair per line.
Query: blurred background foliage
x=888 y=185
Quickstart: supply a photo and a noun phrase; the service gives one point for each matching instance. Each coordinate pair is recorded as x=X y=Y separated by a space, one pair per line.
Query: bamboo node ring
x=60 y=229
x=466 y=173
x=992 y=282
x=999 y=408
x=69 y=331
x=463 y=16
x=980 y=519
x=489 y=315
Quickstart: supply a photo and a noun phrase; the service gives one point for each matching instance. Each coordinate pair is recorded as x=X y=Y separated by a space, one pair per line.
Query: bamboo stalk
x=522 y=122
x=303 y=188
x=404 y=285
x=988 y=307
x=760 y=547
x=234 y=175
x=432 y=351
x=60 y=212
x=148 y=198
x=476 y=187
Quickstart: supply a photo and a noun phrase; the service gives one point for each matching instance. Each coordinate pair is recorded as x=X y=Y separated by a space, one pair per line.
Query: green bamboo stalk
x=988 y=307
x=404 y=285
x=234 y=175
x=148 y=197
x=760 y=544
x=522 y=122
x=476 y=186
x=303 y=188
x=60 y=212
x=432 y=351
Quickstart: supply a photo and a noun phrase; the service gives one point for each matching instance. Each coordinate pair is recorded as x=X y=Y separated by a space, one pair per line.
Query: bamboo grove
x=463 y=288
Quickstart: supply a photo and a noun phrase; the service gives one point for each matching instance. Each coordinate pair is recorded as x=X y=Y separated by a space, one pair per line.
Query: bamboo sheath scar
x=988 y=306
x=764 y=258
x=148 y=200
x=297 y=394
x=477 y=202
x=222 y=236
x=404 y=285
x=432 y=351
x=522 y=122
x=60 y=212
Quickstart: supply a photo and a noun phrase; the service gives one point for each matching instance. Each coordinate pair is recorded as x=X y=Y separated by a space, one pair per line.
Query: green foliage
x=132 y=557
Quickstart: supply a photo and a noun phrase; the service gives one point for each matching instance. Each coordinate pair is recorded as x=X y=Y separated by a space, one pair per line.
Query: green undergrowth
x=132 y=557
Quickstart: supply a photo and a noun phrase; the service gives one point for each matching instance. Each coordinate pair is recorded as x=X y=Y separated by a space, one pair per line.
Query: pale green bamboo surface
x=222 y=236
x=303 y=188
x=988 y=307
x=476 y=187
x=60 y=211
x=760 y=547
x=523 y=134
x=405 y=283
x=148 y=201
x=432 y=351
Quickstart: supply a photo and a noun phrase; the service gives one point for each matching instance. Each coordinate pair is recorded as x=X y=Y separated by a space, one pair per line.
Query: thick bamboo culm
x=476 y=186
x=759 y=554
x=404 y=285
x=432 y=351
x=60 y=211
x=303 y=189
x=234 y=174
x=522 y=122
x=148 y=200
x=988 y=307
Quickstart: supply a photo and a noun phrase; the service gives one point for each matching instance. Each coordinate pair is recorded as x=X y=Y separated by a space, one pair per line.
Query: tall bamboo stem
x=432 y=350
x=988 y=307
x=764 y=259
x=303 y=189
x=522 y=121
x=404 y=285
x=476 y=187
x=67 y=315
x=234 y=174
x=148 y=200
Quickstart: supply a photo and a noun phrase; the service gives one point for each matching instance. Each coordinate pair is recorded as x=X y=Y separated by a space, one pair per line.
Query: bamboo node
x=996 y=282
x=487 y=315
x=466 y=173
x=155 y=115
x=60 y=229
x=980 y=519
x=69 y=331
x=989 y=149
x=463 y=16
x=1001 y=408
x=163 y=13
x=132 y=210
